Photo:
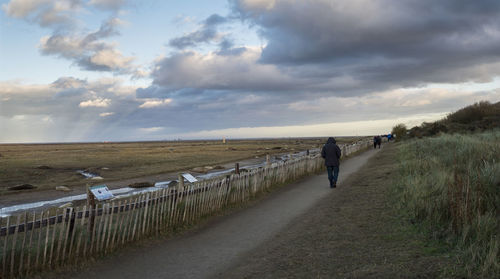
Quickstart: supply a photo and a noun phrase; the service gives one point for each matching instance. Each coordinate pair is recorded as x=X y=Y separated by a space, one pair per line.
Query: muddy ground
x=51 y=194
x=353 y=233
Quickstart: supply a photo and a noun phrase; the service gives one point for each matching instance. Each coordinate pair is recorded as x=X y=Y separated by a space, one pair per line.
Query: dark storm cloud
x=328 y=61
x=391 y=43
x=342 y=48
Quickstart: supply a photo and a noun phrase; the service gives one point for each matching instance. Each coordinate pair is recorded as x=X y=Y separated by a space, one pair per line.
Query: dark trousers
x=333 y=174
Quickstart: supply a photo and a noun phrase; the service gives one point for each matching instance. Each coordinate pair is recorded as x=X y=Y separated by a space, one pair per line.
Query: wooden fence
x=34 y=241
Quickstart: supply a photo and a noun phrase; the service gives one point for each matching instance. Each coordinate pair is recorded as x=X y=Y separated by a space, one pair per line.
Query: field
x=49 y=165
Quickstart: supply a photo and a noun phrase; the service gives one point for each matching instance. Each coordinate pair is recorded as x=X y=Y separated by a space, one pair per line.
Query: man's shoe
x=334 y=184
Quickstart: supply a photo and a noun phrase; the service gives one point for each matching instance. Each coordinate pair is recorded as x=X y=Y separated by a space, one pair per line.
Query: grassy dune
x=50 y=165
x=450 y=185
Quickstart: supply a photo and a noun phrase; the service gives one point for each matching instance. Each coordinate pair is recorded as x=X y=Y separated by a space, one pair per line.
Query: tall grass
x=451 y=186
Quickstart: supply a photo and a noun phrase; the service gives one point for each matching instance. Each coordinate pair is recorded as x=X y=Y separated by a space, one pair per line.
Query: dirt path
x=217 y=246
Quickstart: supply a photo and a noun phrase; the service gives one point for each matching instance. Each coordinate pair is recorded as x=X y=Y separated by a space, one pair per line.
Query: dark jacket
x=331 y=152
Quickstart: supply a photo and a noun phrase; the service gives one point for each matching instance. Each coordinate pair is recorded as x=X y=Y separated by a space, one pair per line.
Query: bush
x=451 y=185
x=399 y=131
x=474 y=113
x=480 y=116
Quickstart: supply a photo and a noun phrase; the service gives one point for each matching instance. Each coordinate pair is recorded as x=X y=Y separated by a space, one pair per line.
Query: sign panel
x=189 y=177
x=101 y=192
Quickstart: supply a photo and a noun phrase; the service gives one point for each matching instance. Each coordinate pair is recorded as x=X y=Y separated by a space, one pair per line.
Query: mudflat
x=46 y=166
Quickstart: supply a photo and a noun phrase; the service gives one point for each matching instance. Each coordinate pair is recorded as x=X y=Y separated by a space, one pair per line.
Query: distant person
x=379 y=141
x=331 y=153
x=389 y=136
x=374 y=142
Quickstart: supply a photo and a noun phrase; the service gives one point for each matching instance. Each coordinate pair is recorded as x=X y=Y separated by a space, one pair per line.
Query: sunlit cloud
x=155 y=103
x=105 y=114
x=99 y=102
x=151 y=129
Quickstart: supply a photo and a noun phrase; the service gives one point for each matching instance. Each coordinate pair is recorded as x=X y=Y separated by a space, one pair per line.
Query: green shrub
x=480 y=116
x=451 y=186
x=399 y=131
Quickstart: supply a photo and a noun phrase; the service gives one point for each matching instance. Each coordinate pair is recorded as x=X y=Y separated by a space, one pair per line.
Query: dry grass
x=20 y=163
x=450 y=186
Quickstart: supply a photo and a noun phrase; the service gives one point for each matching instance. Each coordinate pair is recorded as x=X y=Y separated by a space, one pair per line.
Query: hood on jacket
x=331 y=140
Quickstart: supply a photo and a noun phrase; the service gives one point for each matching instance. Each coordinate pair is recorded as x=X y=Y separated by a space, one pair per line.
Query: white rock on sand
x=63 y=188
x=68 y=204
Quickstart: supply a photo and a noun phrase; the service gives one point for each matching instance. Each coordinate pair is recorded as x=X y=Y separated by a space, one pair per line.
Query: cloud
x=220 y=72
x=68 y=82
x=110 y=59
x=106 y=114
x=52 y=113
x=151 y=129
x=89 y=51
x=215 y=19
x=205 y=34
x=46 y=13
x=319 y=61
x=99 y=103
x=113 y=5
x=383 y=43
x=321 y=48
x=87 y=115
x=357 y=128
x=155 y=103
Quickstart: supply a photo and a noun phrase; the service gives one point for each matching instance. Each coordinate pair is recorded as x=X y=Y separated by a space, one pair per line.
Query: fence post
x=181 y=181
x=91 y=204
x=237 y=168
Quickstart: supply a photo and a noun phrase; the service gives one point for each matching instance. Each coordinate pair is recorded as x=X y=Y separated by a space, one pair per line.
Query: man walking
x=331 y=153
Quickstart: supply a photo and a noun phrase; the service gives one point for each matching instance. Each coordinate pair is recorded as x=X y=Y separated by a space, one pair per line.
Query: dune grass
x=450 y=186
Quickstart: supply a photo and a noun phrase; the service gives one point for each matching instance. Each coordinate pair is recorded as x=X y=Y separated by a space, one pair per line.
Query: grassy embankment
x=450 y=186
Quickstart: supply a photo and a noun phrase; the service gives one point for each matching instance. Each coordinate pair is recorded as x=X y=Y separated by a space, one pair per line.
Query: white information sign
x=101 y=192
x=189 y=177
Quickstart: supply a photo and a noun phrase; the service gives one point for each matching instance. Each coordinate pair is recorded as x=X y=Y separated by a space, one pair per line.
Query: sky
x=130 y=70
